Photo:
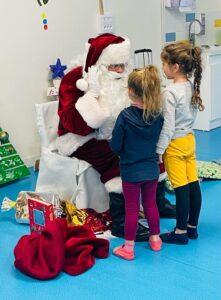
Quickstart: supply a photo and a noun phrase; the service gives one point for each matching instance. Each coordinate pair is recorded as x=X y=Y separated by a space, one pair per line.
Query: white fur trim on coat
x=91 y=111
x=115 y=54
x=114 y=185
x=69 y=142
x=82 y=84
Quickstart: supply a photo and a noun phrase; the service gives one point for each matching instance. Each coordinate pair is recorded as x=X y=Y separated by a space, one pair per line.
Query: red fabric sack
x=42 y=255
x=81 y=248
x=59 y=248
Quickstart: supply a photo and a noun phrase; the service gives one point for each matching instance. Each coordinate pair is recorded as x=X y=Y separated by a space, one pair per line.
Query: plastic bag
x=21 y=204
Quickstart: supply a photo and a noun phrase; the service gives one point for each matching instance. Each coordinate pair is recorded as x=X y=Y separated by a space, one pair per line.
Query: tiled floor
x=177 y=272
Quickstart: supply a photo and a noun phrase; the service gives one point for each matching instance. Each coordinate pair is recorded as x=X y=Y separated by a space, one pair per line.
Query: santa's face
x=113 y=95
x=118 y=68
x=113 y=82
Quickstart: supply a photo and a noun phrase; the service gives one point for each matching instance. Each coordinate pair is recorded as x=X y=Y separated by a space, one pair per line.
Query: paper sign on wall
x=187 y=5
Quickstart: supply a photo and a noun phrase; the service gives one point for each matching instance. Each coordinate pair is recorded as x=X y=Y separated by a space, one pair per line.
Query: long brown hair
x=146 y=85
x=190 y=63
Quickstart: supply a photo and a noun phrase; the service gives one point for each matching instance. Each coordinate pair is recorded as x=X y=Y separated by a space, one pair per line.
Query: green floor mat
x=206 y=170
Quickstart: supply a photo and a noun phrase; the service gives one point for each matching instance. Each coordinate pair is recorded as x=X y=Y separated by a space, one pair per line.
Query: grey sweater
x=179 y=114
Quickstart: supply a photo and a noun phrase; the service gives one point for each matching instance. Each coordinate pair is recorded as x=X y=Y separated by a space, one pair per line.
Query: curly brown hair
x=145 y=84
x=190 y=63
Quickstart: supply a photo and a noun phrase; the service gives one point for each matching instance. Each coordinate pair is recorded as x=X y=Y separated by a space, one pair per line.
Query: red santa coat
x=76 y=137
x=70 y=118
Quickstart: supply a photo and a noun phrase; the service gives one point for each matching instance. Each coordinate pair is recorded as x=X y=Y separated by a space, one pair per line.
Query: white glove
x=93 y=81
x=105 y=131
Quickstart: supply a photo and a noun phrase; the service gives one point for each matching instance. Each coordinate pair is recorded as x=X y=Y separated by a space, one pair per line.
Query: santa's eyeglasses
x=116 y=66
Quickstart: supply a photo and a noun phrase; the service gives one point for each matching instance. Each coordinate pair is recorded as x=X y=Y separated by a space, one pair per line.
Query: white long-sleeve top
x=179 y=114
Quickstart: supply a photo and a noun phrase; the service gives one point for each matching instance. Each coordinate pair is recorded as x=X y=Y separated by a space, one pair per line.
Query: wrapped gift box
x=11 y=165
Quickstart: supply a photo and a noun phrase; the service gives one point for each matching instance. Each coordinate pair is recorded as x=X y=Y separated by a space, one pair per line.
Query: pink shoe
x=155 y=245
x=123 y=253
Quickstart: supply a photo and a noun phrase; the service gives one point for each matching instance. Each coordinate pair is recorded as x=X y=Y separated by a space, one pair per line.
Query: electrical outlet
x=105 y=23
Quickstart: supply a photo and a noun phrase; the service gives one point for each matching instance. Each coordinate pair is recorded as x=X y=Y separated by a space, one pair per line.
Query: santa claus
x=90 y=98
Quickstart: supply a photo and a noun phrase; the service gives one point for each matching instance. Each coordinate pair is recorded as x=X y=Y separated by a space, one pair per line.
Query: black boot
x=166 y=209
x=117 y=212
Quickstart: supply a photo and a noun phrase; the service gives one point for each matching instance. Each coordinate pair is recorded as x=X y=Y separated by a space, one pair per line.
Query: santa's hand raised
x=89 y=106
x=93 y=81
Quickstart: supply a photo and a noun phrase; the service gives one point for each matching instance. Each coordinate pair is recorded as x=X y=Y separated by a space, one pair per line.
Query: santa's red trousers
x=99 y=154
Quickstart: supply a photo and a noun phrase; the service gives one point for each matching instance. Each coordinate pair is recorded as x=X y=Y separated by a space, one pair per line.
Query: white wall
x=212 y=9
x=140 y=20
x=27 y=51
x=208 y=5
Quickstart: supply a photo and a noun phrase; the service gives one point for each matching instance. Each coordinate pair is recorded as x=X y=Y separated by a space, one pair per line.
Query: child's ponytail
x=145 y=85
x=197 y=67
x=190 y=62
x=151 y=86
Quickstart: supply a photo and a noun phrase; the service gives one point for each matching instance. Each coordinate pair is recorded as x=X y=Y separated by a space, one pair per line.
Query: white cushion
x=47 y=123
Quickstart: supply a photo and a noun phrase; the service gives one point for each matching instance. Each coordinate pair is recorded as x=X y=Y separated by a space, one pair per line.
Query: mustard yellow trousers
x=180 y=161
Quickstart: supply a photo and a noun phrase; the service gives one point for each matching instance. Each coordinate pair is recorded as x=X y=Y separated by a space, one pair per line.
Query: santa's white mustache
x=111 y=74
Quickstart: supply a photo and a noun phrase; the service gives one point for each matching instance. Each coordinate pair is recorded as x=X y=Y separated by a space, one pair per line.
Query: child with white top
x=177 y=142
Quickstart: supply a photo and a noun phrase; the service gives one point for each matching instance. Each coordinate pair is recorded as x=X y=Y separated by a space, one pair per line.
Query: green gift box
x=11 y=165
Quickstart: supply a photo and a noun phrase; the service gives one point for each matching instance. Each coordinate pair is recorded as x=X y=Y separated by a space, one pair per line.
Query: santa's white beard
x=114 y=96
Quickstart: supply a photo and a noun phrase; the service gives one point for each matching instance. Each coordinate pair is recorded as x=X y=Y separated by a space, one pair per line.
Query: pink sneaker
x=155 y=245
x=123 y=253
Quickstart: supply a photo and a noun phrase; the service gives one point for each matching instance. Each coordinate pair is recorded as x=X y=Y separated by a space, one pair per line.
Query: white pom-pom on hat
x=82 y=84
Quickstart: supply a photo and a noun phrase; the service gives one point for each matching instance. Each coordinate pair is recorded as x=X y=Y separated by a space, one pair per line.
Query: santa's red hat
x=105 y=49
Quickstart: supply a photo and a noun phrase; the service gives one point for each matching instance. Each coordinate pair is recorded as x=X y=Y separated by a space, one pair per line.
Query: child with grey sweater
x=177 y=142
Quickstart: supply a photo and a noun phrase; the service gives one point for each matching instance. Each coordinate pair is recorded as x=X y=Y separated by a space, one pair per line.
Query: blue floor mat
x=190 y=272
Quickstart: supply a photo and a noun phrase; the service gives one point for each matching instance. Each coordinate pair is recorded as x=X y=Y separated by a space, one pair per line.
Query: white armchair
x=70 y=178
